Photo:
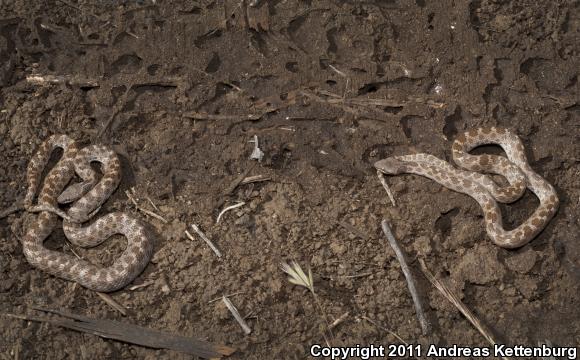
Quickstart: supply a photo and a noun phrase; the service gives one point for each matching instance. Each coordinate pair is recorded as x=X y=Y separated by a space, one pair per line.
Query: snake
x=85 y=198
x=474 y=178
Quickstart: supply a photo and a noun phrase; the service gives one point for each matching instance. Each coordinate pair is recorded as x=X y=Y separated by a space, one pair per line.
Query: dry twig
x=205 y=116
x=139 y=286
x=39 y=79
x=425 y=327
x=204 y=238
x=339 y=321
x=112 y=303
x=253 y=179
x=237 y=315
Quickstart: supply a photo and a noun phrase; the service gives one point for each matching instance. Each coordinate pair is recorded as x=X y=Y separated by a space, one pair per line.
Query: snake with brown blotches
x=481 y=187
x=87 y=197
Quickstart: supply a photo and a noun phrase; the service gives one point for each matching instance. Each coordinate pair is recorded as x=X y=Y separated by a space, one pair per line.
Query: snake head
x=391 y=166
x=74 y=192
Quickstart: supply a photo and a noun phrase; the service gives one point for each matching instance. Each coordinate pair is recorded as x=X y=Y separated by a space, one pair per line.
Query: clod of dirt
x=423 y=246
x=480 y=265
x=526 y=286
x=522 y=261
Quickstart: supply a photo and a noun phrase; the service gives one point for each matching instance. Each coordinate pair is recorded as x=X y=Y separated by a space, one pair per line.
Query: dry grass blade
x=458 y=304
x=297 y=276
x=386 y=187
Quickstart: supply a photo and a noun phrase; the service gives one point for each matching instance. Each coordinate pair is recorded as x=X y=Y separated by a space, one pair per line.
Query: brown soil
x=300 y=75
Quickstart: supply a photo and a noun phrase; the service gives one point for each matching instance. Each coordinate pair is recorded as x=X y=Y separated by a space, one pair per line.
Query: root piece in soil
x=242 y=203
x=133 y=334
x=425 y=326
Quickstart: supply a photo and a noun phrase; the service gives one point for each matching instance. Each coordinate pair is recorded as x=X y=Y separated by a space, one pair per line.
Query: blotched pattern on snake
x=87 y=197
x=481 y=187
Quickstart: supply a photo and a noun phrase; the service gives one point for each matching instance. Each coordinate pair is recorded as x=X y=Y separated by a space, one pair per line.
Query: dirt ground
x=180 y=88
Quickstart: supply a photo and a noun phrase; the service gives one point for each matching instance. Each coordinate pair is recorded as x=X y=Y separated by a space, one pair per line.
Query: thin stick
x=145 y=284
x=228 y=209
x=338 y=321
x=115 y=305
x=237 y=315
x=206 y=116
x=458 y=304
x=357 y=275
x=204 y=237
x=39 y=79
x=425 y=327
x=237 y=181
x=152 y=203
x=386 y=186
x=253 y=179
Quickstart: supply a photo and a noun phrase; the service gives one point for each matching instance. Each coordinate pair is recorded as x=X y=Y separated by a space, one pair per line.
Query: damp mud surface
x=179 y=89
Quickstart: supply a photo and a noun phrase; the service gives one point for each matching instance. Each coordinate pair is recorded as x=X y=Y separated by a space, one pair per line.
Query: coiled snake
x=89 y=195
x=481 y=187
